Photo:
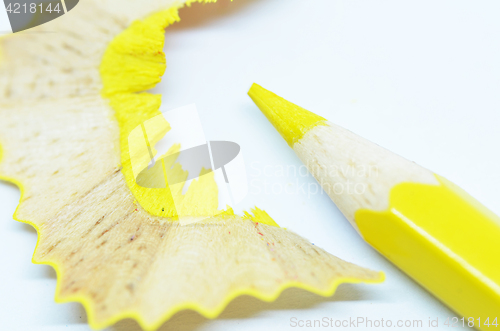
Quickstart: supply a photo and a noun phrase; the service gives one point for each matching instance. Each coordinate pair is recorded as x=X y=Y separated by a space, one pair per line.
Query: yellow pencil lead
x=291 y=121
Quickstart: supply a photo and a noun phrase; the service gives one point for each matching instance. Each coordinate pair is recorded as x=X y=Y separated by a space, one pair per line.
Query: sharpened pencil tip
x=291 y=121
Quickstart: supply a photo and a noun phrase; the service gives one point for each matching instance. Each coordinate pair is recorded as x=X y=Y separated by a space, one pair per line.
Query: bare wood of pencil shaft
x=354 y=172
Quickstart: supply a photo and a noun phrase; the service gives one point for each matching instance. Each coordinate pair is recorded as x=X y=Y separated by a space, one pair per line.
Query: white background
x=421 y=78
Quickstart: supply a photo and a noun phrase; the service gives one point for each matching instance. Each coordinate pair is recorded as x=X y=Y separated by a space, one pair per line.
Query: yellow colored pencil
x=427 y=226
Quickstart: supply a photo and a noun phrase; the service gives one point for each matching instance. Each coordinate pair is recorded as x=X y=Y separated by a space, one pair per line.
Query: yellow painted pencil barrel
x=427 y=226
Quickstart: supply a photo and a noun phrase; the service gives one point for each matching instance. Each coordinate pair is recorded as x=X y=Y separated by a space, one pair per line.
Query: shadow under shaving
x=247 y=306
